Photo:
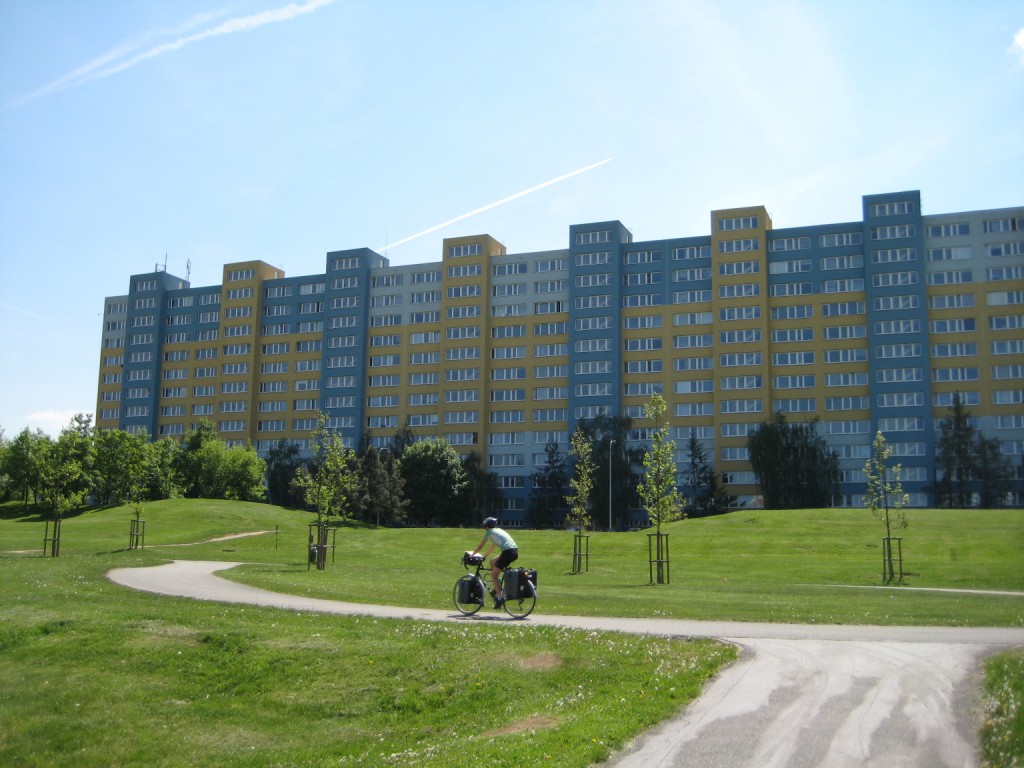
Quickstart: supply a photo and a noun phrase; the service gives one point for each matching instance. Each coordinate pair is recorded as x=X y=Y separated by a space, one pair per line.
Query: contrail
x=495 y=204
x=101 y=67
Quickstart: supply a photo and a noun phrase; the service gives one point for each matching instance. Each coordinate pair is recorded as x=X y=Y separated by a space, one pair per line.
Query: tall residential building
x=868 y=325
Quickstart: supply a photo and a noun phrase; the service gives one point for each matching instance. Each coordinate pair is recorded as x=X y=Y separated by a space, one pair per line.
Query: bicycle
x=471 y=590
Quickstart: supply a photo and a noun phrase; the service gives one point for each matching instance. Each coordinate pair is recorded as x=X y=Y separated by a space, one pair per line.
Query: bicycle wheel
x=474 y=589
x=521 y=607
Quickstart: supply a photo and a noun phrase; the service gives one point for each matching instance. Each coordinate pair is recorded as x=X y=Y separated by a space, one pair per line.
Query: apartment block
x=868 y=325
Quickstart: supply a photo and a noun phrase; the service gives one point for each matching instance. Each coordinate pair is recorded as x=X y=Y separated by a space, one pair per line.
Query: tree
x=703 y=492
x=188 y=465
x=483 y=492
x=120 y=466
x=161 y=479
x=381 y=497
x=65 y=466
x=548 y=489
x=435 y=482
x=282 y=463
x=5 y=479
x=884 y=496
x=658 y=491
x=954 y=459
x=582 y=480
x=242 y=474
x=794 y=466
x=24 y=457
x=329 y=482
x=994 y=472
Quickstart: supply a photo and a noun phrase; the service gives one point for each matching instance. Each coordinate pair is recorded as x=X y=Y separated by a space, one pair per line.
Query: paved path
x=800 y=695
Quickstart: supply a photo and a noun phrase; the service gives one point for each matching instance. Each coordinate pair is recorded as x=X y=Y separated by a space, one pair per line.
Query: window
x=833 y=332
x=1004 y=225
x=796 y=312
x=790 y=289
x=952 y=277
x=961 y=229
x=741 y=222
x=458 y=251
x=739 y=290
x=841 y=239
x=789 y=244
x=786 y=335
x=848 y=403
x=738 y=313
x=843 y=286
x=1015 y=272
x=893 y=232
x=740 y=336
x=739 y=246
x=691 y=252
x=858 y=355
x=789 y=267
x=793 y=358
x=891 y=209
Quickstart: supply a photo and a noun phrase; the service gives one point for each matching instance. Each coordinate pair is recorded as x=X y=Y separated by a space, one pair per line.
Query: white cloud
x=121 y=58
x=52 y=421
x=1018 y=45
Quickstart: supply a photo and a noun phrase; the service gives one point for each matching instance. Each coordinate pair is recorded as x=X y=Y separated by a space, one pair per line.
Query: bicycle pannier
x=529 y=576
x=511 y=584
x=469 y=591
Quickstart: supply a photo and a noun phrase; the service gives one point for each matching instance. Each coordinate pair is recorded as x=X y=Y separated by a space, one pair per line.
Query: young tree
x=884 y=496
x=329 y=482
x=581 y=482
x=658 y=491
x=435 y=484
x=548 y=489
x=794 y=466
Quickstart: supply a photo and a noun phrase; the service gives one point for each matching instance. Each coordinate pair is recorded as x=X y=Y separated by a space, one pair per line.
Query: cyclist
x=497 y=537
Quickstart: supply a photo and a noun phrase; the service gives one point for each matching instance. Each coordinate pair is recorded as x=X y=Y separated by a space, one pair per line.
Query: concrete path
x=800 y=695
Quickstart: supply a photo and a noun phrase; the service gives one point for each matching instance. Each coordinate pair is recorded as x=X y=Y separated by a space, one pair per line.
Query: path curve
x=800 y=695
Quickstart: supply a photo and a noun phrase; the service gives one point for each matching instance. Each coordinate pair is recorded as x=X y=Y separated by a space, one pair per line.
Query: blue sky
x=261 y=129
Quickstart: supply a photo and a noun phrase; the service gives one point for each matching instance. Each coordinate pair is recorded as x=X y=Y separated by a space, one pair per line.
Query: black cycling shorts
x=506 y=558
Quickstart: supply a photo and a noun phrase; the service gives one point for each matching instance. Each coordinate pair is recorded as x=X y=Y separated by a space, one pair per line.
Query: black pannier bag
x=510 y=586
x=470 y=591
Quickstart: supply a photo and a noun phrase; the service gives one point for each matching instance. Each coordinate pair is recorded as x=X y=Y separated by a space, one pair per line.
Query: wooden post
x=889 y=562
x=658 y=558
x=137 y=535
x=52 y=541
x=580 y=553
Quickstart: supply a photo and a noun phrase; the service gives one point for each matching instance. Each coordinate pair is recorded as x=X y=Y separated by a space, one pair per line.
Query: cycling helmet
x=490 y=522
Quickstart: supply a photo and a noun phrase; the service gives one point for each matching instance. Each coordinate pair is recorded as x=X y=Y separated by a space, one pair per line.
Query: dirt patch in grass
x=531 y=723
x=545 y=660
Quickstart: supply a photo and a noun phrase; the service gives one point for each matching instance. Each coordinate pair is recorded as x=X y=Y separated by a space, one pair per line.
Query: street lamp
x=610 y=444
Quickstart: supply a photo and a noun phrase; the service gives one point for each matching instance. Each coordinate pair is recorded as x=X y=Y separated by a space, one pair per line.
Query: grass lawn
x=92 y=674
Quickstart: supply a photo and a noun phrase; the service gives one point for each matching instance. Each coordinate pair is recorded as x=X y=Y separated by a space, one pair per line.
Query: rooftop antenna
x=188 y=270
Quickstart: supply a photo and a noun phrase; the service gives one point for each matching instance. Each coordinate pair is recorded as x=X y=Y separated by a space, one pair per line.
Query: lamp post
x=610 y=444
